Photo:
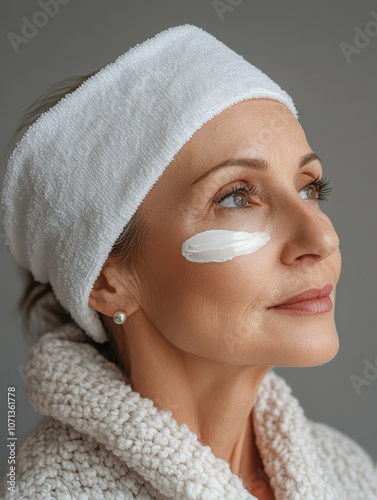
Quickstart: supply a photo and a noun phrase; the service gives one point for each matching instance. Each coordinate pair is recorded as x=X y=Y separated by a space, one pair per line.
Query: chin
x=317 y=348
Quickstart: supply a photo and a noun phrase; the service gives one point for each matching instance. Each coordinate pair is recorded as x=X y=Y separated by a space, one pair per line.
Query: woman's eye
x=234 y=201
x=318 y=187
x=310 y=189
x=238 y=197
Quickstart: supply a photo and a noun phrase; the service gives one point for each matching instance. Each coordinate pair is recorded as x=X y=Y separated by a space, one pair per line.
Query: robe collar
x=71 y=381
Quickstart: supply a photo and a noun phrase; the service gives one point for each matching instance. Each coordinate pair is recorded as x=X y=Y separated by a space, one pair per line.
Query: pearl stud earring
x=119 y=317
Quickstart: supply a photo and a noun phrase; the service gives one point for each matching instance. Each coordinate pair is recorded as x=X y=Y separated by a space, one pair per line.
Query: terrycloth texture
x=81 y=171
x=102 y=440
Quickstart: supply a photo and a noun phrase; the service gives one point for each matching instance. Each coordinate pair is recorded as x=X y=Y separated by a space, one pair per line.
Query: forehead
x=261 y=127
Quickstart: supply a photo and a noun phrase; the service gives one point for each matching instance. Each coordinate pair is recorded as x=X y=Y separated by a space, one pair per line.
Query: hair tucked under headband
x=81 y=171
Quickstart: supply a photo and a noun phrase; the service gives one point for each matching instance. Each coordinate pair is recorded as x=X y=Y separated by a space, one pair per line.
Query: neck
x=214 y=400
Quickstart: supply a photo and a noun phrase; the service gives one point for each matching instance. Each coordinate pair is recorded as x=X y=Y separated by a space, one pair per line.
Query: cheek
x=229 y=279
x=196 y=305
x=228 y=264
x=234 y=287
x=219 y=268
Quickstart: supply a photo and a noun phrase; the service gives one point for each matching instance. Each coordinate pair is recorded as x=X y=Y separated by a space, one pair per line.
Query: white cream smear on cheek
x=218 y=245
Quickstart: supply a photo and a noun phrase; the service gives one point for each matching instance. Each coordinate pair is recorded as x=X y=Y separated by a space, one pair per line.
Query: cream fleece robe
x=99 y=439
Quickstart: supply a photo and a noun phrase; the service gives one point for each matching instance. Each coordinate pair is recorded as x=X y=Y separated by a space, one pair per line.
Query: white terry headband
x=80 y=172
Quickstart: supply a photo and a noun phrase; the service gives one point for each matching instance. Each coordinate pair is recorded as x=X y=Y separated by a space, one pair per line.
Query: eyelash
x=321 y=186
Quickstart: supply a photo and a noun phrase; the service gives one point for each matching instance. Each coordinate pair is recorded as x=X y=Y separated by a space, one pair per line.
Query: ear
x=110 y=292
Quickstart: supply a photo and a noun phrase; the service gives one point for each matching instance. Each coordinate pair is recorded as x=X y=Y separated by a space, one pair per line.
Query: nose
x=308 y=233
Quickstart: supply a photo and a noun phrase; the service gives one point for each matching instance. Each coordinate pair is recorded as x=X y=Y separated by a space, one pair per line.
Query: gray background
x=297 y=43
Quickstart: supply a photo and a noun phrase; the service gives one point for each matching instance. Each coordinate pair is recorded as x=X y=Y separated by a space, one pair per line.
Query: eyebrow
x=255 y=163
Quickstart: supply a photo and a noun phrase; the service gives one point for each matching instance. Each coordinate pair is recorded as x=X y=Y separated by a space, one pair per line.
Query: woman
x=226 y=268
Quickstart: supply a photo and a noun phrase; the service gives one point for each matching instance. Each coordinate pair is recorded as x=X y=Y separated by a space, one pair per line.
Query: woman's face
x=221 y=311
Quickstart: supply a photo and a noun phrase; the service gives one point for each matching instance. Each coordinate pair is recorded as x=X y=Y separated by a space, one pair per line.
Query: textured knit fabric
x=80 y=172
x=99 y=439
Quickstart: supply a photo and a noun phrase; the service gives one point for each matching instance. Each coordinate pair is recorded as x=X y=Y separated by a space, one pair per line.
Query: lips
x=308 y=295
